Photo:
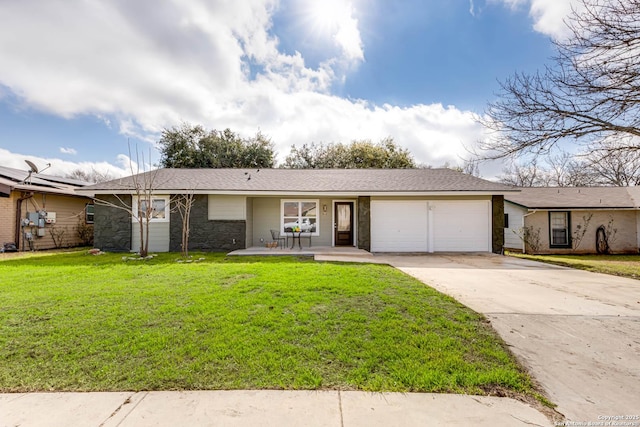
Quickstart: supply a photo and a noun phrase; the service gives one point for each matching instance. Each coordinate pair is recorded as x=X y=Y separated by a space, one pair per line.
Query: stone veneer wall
x=205 y=234
x=497 y=224
x=112 y=226
x=364 y=223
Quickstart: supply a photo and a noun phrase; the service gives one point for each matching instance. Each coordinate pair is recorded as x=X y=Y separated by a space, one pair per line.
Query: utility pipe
x=24 y=197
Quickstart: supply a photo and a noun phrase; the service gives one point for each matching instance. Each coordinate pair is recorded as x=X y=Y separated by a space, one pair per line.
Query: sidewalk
x=263 y=408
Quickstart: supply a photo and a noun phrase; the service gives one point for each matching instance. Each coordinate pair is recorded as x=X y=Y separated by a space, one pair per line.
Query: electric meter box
x=40 y=232
x=51 y=218
x=33 y=218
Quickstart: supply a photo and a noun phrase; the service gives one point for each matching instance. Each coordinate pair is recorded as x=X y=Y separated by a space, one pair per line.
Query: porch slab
x=320 y=253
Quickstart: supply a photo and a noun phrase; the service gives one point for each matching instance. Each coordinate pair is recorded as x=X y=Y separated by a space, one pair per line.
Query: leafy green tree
x=362 y=154
x=189 y=146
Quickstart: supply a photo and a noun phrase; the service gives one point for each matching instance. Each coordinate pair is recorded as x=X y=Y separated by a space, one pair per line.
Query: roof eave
x=583 y=208
x=308 y=192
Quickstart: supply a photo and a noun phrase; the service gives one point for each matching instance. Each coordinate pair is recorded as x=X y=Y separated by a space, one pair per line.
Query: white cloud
x=65 y=150
x=548 y=15
x=59 y=167
x=146 y=65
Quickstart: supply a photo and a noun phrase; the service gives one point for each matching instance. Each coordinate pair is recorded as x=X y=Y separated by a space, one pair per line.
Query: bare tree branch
x=592 y=91
x=142 y=186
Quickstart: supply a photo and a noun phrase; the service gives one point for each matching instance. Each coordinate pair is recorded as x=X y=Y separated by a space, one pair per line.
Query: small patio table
x=296 y=235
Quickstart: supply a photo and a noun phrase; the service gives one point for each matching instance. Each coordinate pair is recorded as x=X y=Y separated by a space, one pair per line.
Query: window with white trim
x=559 y=230
x=159 y=206
x=299 y=215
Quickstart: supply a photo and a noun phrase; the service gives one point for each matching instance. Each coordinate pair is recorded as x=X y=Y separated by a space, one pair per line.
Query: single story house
x=39 y=211
x=563 y=220
x=380 y=210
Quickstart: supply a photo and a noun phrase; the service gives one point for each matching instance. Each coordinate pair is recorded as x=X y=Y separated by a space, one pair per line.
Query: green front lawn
x=82 y=322
x=619 y=265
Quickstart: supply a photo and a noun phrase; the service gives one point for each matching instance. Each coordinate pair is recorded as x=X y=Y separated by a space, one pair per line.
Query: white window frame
x=165 y=198
x=300 y=202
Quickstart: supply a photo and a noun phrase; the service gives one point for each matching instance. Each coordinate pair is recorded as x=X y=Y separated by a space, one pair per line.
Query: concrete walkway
x=263 y=408
x=338 y=251
x=577 y=332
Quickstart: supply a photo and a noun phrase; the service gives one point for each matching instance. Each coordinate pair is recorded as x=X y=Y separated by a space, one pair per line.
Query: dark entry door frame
x=342 y=237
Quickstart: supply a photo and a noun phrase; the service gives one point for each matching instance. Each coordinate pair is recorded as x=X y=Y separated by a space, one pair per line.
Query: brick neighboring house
x=41 y=211
x=380 y=210
x=566 y=220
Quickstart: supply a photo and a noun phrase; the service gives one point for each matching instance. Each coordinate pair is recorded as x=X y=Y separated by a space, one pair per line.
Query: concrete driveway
x=577 y=332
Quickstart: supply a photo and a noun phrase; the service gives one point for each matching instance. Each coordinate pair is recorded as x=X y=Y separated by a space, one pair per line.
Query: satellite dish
x=34 y=168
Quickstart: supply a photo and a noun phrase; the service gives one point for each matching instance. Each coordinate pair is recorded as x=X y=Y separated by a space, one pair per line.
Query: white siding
x=158 y=237
x=227 y=207
x=516 y=217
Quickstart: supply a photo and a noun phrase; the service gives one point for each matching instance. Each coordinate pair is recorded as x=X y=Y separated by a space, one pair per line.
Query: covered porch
x=322 y=223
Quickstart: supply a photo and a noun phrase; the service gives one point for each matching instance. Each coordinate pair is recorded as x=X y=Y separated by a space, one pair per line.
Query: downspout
x=524 y=244
x=18 y=217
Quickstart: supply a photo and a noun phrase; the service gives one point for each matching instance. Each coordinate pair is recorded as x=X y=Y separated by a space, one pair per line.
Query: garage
x=461 y=226
x=430 y=226
x=399 y=226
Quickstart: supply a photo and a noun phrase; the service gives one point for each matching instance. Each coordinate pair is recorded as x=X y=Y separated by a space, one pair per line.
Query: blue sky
x=78 y=80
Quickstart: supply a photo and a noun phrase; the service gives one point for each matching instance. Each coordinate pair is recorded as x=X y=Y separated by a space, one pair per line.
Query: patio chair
x=305 y=235
x=276 y=237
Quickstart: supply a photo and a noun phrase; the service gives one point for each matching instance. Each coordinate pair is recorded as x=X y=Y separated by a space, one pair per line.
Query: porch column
x=364 y=223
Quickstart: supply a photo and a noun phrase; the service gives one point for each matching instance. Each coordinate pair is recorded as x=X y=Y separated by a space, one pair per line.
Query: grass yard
x=87 y=323
x=618 y=265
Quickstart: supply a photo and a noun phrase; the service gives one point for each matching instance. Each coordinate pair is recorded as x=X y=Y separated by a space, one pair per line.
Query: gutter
x=297 y=193
x=18 y=217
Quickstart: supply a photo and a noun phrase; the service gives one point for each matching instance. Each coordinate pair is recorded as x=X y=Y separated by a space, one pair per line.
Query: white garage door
x=461 y=226
x=398 y=226
x=433 y=226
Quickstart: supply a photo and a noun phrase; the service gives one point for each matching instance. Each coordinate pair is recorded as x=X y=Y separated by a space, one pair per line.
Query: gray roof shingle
x=361 y=181
x=575 y=197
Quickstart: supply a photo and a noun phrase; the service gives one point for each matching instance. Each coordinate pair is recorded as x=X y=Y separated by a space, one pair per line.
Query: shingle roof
x=362 y=181
x=576 y=197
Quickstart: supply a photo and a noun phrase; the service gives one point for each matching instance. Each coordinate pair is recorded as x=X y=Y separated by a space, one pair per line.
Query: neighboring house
x=381 y=210
x=41 y=211
x=567 y=220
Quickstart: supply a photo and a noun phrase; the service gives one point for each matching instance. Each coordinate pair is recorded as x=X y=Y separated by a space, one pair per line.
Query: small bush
x=85 y=232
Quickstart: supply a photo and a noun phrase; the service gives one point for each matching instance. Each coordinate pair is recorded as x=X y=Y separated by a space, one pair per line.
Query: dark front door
x=343 y=223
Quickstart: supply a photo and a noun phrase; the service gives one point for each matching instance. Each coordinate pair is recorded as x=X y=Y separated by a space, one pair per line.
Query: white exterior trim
x=318 y=207
x=167 y=207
